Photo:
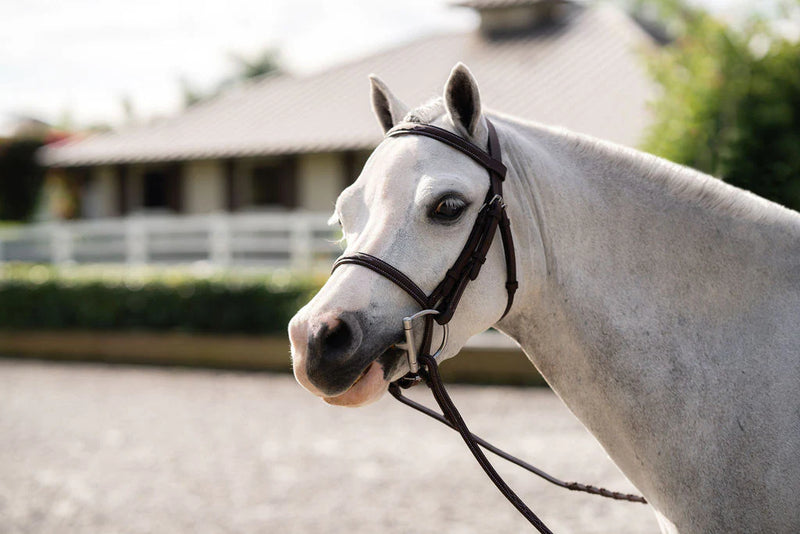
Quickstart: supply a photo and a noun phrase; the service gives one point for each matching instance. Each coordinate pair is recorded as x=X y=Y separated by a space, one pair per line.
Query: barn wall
x=320 y=180
x=99 y=197
x=204 y=187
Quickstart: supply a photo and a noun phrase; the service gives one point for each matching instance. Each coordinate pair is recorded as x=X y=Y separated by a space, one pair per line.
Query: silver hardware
x=496 y=197
x=410 y=346
x=499 y=198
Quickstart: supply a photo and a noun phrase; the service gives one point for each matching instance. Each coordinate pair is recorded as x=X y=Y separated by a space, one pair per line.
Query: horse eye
x=449 y=209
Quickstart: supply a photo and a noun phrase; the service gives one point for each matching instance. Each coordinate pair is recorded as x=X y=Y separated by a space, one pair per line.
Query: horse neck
x=657 y=302
x=623 y=254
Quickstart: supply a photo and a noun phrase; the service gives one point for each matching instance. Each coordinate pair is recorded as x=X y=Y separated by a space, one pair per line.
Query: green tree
x=21 y=179
x=730 y=99
x=244 y=69
x=265 y=62
x=191 y=95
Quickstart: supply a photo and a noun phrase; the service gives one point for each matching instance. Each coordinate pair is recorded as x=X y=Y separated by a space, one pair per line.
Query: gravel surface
x=99 y=449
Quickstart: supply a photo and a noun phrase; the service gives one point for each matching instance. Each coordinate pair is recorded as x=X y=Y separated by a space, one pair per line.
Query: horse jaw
x=361 y=372
x=366 y=389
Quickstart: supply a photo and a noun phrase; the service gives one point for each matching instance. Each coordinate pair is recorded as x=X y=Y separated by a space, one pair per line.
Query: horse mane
x=686 y=183
x=679 y=181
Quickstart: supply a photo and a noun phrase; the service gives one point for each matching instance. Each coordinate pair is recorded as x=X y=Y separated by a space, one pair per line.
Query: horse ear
x=462 y=100
x=386 y=106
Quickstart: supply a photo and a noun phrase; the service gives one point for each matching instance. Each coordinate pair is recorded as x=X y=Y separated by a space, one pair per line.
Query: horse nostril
x=337 y=337
x=331 y=365
x=333 y=340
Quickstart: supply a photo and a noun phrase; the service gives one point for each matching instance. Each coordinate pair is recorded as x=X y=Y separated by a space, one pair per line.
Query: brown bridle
x=446 y=296
x=441 y=304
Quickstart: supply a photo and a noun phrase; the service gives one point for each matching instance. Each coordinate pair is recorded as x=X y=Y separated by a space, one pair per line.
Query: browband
x=459 y=143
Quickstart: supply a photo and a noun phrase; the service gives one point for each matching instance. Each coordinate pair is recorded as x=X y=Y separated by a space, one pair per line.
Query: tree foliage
x=21 y=178
x=244 y=69
x=265 y=62
x=730 y=99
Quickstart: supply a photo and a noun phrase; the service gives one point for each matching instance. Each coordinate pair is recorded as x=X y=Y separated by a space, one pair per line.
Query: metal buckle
x=410 y=345
x=498 y=198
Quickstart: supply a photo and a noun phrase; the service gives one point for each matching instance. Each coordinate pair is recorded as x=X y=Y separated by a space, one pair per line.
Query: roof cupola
x=508 y=17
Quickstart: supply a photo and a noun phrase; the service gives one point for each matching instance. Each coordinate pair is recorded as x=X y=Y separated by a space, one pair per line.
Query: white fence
x=290 y=239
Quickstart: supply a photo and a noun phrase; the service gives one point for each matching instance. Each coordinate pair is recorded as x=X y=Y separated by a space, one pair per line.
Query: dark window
x=274 y=185
x=161 y=187
x=155 y=189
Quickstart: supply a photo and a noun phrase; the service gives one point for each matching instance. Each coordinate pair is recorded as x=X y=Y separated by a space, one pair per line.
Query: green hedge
x=38 y=297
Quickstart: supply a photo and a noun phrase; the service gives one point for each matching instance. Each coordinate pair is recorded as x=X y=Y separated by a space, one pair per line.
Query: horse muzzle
x=332 y=360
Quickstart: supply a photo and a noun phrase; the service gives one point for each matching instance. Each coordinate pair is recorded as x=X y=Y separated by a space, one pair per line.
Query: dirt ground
x=100 y=449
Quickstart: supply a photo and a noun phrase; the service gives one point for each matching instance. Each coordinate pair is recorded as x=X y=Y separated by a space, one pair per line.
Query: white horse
x=660 y=304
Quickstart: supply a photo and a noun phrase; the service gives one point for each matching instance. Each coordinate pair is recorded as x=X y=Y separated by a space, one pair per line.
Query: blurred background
x=166 y=173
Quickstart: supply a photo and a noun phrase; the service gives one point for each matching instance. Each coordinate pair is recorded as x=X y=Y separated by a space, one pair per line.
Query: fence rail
x=297 y=240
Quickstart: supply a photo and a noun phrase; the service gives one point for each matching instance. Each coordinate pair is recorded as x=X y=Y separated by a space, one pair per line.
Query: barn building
x=287 y=142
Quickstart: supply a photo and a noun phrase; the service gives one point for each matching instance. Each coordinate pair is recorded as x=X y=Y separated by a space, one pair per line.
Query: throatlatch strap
x=505 y=224
x=511 y=261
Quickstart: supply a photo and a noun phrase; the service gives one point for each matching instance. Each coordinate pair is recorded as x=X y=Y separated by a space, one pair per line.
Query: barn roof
x=584 y=73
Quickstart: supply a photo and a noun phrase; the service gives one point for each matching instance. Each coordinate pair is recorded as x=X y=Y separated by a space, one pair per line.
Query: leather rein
x=441 y=304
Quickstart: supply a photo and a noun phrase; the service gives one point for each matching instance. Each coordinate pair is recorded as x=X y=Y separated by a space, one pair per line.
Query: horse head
x=413 y=206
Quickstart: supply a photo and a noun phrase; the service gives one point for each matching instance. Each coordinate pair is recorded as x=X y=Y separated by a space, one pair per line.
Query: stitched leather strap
x=511 y=261
x=440 y=134
x=381 y=267
x=450 y=412
x=505 y=224
x=469 y=263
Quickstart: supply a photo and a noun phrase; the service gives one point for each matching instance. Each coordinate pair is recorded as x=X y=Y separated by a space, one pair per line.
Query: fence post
x=220 y=252
x=300 y=242
x=60 y=243
x=135 y=241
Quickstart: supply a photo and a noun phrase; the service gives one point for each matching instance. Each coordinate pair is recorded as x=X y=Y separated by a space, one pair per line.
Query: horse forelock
x=427 y=112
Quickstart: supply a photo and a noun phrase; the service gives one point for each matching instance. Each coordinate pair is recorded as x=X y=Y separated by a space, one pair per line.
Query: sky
x=76 y=61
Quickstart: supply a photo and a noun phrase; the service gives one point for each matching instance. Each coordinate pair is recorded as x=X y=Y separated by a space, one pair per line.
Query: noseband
x=441 y=304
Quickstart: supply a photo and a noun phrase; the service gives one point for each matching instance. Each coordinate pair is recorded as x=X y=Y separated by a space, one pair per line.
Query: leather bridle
x=446 y=296
x=442 y=302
